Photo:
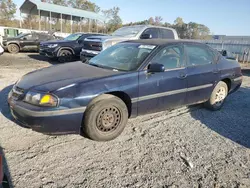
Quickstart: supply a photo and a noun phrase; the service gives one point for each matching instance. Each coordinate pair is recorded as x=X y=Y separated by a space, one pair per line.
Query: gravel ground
x=187 y=147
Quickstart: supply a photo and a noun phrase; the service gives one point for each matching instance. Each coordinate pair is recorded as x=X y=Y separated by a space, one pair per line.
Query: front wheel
x=106 y=118
x=65 y=56
x=218 y=96
x=13 y=48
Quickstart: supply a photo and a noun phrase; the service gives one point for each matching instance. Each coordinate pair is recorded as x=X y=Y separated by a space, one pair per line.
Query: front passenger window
x=171 y=57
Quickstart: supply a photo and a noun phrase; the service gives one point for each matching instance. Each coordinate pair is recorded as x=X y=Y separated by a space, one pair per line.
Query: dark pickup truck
x=67 y=49
x=27 y=41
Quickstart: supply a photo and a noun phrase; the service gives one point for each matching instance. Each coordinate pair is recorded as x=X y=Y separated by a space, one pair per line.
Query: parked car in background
x=227 y=54
x=28 y=41
x=66 y=49
x=126 y=80
x=95 y=44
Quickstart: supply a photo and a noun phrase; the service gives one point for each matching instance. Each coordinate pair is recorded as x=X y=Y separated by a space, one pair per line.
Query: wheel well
x=69 y=49
x=228 y=82
x=14 y=43
x=125 y=98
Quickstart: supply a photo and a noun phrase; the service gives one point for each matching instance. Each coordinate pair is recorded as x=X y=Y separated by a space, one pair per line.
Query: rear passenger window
x=171 y=57
x=198 y=55
x=167 y=34
x=152 y=31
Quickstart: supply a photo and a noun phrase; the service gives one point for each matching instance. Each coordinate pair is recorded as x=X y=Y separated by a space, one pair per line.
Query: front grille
x=89 y=45
x=17 y=93
x=43 y=46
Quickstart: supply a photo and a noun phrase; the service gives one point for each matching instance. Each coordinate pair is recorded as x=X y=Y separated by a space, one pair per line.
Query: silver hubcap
x=220 y=96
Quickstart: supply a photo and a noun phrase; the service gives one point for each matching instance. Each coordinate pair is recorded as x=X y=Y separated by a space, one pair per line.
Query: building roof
x=32 y=7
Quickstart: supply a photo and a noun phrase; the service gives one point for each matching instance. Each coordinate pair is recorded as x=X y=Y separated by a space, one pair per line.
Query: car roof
x=149 y=26
x=161 y=42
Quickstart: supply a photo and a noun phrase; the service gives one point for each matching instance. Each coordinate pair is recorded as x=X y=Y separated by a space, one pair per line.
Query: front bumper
x=49 y=52
x=47 y=120
x=88 y=54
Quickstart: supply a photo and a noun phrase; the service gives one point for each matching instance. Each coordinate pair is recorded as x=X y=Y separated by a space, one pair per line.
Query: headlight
x=52 y=45
x=108 y=44
x=41 y=99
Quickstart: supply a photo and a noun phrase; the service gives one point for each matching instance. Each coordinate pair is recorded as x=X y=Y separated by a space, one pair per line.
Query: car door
x=28 y=41
x=154 y=32
x=164 y=90
x=202 y=72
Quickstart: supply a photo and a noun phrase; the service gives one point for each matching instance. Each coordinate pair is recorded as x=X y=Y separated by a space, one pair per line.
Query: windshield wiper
x=104 y=67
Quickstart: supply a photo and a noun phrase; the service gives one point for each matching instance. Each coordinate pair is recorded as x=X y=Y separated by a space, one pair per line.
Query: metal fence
x=240 y=48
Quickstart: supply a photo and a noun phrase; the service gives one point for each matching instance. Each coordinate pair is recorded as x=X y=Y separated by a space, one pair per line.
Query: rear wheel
x=218 y=96
x=105 y=119
x=65 y=56
x=13 y=48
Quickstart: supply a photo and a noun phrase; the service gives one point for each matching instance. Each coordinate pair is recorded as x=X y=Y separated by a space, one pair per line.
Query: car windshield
x=74 y=36
x=130 y=31
x=122 y=57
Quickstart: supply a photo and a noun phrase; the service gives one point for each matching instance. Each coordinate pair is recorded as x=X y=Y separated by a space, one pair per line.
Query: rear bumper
x=51 y=121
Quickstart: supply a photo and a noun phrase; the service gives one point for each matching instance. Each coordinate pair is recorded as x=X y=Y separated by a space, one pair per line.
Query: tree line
x=191 y=30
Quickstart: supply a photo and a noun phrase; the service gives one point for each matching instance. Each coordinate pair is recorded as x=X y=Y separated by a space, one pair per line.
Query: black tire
x=217 y=97
x=13 y=48
x=53 y=58
x=105 y=118
x=65 y=56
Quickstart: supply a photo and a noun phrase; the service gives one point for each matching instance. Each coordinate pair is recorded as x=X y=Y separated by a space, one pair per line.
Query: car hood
x=58 y=42
x=109 y=37
x=55 y=77
x=10 y=39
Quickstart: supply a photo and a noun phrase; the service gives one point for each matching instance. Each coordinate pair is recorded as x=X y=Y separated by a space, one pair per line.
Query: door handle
x=182 y=76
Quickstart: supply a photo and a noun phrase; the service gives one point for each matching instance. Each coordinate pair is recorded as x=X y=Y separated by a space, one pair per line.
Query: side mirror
x=224 y=53
x=146 y=36
x=156 y=67
x=24 y=38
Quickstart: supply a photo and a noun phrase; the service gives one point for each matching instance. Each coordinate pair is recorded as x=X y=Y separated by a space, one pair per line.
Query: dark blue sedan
x=126 y=80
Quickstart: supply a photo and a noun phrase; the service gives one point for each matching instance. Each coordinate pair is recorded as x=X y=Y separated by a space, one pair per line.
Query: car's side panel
x=161 y=91
x=173 y=85
x=148 y=86
x=230 y=70
x=82 y=93
x=202 y=72
x=30 y=42
x=201 y=81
